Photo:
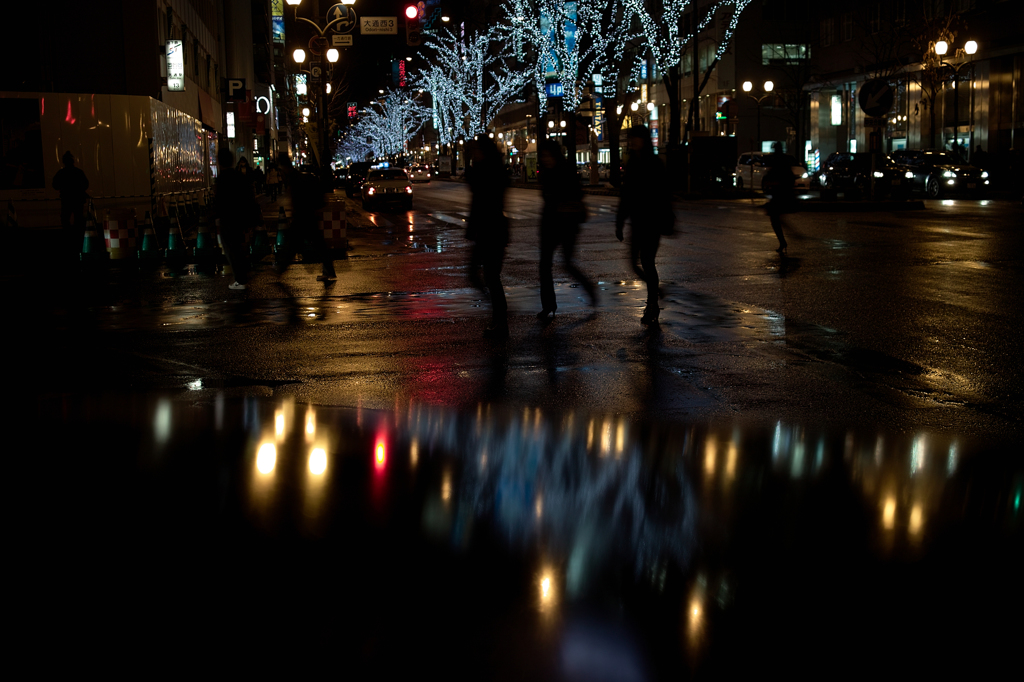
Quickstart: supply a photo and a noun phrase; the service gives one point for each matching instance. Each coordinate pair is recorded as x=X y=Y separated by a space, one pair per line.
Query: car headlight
x=878 y=174
x=948 y=174
x=909 y=175
x=984 y=174
x=805 y=175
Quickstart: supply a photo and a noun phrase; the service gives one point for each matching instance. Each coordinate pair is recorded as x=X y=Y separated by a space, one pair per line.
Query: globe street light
x=941 y=47
x=767 y=87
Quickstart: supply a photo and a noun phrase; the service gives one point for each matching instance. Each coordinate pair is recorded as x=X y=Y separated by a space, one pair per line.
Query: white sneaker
x=238 y=286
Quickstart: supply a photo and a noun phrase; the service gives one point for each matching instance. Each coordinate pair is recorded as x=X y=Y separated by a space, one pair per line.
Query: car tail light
x=408 y=189
x=370 y=191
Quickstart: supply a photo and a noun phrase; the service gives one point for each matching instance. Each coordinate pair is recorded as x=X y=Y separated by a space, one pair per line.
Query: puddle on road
x=667 y=546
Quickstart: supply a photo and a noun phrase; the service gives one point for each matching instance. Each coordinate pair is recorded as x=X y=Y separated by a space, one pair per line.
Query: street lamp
x=767 y=87
x=941 y=47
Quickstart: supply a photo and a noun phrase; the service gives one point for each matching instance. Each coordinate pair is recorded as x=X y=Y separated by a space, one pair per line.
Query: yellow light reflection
x=317 y=461
x=710 y=451
x=279 y=423
x=916 y=520
x=590 y=435
x=414 y=452
x=446 y=486
x=606 y=439
x=730 y=462
x=620 y=437
x=266 y=458
x=539 y=506
x=310 y=424
x=889 y=514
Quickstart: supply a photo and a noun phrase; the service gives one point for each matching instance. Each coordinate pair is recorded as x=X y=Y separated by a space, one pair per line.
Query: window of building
x=847 y=26
x=899 y=12
x=828 y=29
x=784 y=53
x=875 y=18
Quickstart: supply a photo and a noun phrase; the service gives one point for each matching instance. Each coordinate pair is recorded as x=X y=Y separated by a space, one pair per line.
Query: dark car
x=355 y=176
x=935 y=172
x=853 y=173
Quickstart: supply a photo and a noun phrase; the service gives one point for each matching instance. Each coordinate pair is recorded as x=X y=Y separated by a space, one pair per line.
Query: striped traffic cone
x=207 y=252
x=94 y=249
x=151 y=252
x=283 y=244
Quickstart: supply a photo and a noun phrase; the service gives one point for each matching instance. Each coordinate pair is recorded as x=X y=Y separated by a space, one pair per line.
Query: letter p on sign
x=236 y=89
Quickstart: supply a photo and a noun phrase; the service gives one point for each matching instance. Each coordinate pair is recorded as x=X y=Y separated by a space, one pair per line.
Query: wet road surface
x=813 y=464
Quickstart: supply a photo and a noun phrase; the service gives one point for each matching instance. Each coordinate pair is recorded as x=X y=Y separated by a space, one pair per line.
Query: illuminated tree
x=389 y=123
x=671 y=29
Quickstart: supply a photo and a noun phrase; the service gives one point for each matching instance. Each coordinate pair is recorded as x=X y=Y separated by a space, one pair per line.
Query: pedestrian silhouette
x=235 y=207
x=246 y=171
x=487 y=228
x=273 y=181
x=72 y=184
x=646 y=201
x=564 y=210
x=307 y=208
x=779 y=182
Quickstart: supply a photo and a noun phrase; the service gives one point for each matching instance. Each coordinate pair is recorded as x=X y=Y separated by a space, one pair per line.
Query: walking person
x=780 y=183
x=307 y=207
x=72 y=184
x=560 y=224
x=487 y=228
x=646 y=201
x=235 y=207
x=273 y=181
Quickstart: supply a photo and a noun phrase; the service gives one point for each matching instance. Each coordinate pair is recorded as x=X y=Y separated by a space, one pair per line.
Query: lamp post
x=328 y=56
x=941 y=47
x=768 y=87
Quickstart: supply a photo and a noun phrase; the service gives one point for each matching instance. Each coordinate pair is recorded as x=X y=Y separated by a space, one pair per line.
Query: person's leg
x=776 y=220
x=569 y=252
x=234 y=250
x=547 y=280
x=634 y=254
x=493 y=262
x=648 y=254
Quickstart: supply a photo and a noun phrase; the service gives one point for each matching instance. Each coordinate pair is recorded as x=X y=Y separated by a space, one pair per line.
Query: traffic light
x=413 y=28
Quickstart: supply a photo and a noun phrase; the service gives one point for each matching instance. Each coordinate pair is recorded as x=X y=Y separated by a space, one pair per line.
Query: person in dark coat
x=487 y=228
x=559 y=223
x=72 y=184
x=307 y=208
x=646 y=201
x=235 y=207
x=780 y=183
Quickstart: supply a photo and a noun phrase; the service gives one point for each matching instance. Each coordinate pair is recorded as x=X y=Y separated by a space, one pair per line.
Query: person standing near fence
x=72 y=184
x=646 y=201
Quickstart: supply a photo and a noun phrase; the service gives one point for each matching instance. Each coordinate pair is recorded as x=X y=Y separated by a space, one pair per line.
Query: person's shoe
x=495 y=331
x=326 y=278
x=544 y=314
x=237 y=286
x=782 y=250
x=650 y=317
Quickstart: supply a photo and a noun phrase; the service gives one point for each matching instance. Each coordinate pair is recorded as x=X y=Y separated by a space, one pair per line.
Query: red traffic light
x=411 y=12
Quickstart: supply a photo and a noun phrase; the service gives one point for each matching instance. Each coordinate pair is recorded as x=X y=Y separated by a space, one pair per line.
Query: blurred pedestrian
x=258 y=178
x=246 y=171
x=307 y=209
x=72 y=184
x=646 y=200
x=780 y=182
x=273 y=181
x=235 y=207
x=487 y=228
x=564 y=210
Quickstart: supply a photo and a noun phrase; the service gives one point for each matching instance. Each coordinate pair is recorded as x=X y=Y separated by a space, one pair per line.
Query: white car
x=387 y=186
x=419 y=173
x=751 y=169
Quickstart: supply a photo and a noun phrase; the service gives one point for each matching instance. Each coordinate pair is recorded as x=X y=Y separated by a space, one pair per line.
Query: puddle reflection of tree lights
x=317 y=461
x=266 y=459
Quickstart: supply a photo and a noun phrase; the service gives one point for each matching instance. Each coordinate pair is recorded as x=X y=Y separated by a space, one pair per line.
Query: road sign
x=380 y=26
x=236 y=89
x=870 y=122
x=345 y=14
x=315 y=72
x=876 y=97
x=341 y=41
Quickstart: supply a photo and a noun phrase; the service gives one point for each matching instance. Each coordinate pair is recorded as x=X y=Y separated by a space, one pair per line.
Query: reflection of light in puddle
x=889 y=514
x=414 y=452
x=916 y=520
x=317 y=461
x=196 y=385
x=266 y=458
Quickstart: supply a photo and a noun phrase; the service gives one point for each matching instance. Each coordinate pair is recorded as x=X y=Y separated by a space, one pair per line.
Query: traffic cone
x=207 y=250
x=260 y=242
x=94 y=249
x=177 y=254
x=284 y=243
x=151 y=252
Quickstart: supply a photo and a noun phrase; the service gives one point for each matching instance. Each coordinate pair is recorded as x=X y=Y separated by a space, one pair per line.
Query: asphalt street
x=902 y=321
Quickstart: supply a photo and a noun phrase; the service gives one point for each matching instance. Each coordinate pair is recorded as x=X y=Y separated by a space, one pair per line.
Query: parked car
x=419 y=173
x=935 y=172
x=751 y=168
x=852 y=173
x=387 y=186
x=355 y=175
